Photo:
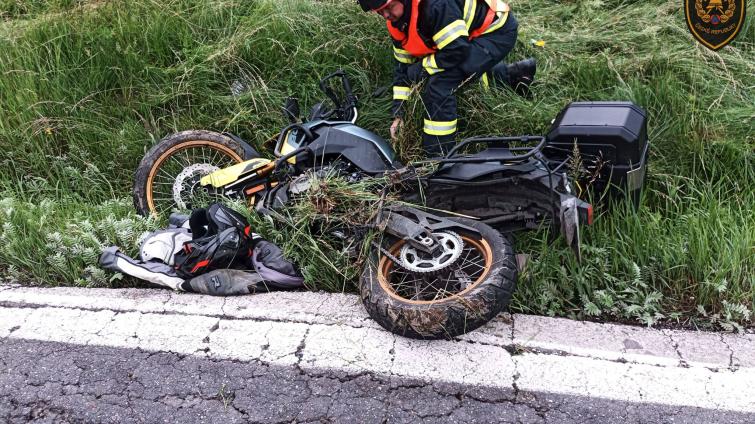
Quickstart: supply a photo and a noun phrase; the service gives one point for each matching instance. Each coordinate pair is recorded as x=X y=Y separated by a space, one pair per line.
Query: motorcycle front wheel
x=167 y=178
x=444 y=304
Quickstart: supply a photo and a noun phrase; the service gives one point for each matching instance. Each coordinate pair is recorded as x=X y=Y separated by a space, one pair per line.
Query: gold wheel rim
x=177 y=148
x=385 y=266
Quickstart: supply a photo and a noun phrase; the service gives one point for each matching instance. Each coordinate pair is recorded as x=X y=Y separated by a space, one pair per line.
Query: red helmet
x=368 y=5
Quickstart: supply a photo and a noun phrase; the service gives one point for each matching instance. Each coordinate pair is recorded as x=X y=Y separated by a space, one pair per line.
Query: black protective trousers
x=483 y=61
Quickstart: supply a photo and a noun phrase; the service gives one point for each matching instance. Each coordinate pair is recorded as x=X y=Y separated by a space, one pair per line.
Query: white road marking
x=333 y=333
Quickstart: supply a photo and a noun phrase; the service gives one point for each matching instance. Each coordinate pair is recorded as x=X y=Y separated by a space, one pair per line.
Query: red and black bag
x=221 y=238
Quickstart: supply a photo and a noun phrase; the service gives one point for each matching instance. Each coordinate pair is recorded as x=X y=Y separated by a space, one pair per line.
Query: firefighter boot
x=521 y=74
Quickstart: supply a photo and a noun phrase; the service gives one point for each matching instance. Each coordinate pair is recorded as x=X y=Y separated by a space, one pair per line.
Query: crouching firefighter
x=447 y=42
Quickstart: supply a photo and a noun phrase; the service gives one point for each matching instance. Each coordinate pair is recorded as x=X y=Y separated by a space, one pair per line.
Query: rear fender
x=574 y=212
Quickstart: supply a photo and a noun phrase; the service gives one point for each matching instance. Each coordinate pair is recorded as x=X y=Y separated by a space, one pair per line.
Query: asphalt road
x=56 y=382
x=112 y=356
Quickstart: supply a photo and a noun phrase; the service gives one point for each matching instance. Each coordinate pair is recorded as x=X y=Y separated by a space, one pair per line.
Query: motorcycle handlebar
x=345 y=83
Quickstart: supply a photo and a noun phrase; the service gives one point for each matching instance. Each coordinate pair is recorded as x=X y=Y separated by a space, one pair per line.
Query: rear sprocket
x=423 y=263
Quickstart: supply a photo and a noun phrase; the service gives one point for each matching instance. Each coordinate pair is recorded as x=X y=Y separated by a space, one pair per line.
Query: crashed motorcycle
x=444 y=264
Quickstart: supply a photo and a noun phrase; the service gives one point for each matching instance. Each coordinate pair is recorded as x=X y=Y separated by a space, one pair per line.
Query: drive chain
x=390 y=256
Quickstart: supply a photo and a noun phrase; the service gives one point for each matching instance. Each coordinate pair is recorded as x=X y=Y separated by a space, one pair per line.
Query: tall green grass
x=86 y=87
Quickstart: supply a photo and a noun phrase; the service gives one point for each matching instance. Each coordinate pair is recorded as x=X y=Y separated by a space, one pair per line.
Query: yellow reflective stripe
x=440 y=127
x=498 y=23
x=450 y=33
x=403 y=56
x=429 y=64
x=485 y=82
x=401 y=93
x=469 y=8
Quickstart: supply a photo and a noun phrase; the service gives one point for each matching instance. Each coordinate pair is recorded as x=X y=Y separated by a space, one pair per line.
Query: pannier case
x=611 y=138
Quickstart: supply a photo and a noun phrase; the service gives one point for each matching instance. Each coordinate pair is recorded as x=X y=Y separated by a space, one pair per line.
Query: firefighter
x=445 y=43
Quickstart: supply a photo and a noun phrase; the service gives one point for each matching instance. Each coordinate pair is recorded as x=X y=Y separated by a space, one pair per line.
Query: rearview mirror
x=291 y=110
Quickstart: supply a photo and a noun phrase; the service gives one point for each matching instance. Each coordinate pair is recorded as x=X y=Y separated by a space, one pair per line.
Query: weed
x=87 y=87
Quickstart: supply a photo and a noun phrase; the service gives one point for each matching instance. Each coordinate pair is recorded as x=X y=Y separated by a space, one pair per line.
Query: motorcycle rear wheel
x=446 y=314
x=188 y=155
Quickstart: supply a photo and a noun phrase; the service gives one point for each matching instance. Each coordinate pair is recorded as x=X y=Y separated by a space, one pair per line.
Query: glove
x=226 y=282
x=395 y=127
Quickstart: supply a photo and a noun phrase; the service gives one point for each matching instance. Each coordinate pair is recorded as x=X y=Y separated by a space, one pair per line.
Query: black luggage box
x=611 y=138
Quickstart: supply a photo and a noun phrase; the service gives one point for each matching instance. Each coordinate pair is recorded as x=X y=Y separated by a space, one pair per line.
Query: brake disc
x=190 y=177
x=413 y=260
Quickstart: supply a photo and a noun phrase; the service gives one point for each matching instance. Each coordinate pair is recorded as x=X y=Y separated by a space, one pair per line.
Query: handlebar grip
x=328 y=77
x=328 y=92
x=342 y=106
x=347 y=85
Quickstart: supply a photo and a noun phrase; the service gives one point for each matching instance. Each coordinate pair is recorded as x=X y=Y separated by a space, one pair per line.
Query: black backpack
x=221 y=238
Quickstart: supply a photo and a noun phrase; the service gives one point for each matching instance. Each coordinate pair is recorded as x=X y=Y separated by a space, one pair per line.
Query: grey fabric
x=178 y=220
x=226 y=282
x=162 y=245
x=270 y=264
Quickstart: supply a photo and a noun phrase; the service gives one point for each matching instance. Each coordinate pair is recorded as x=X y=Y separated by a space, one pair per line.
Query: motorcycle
x=445 y=264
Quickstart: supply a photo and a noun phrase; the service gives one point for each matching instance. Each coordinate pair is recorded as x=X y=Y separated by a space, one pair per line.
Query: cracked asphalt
x=86 y=355
x=58 y=382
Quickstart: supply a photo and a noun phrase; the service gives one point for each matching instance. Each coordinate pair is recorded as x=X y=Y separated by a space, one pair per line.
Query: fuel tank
x=364 y=149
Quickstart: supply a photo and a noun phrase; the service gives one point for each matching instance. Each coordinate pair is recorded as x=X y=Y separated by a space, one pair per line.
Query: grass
x=86 y=87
